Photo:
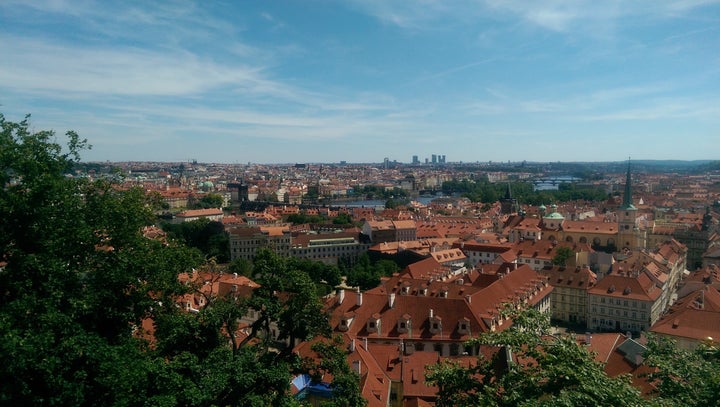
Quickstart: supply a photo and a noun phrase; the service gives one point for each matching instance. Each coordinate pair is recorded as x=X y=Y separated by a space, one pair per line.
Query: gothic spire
x=627 y=198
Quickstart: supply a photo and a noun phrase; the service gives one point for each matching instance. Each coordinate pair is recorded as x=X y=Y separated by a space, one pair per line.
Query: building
x=569 y=297
x=329 y=248
x=486 y=253
x=380 y=231
x=622 y=302
x=246 y=241
x=431 y=307
x=214 y=214
x=693 y=320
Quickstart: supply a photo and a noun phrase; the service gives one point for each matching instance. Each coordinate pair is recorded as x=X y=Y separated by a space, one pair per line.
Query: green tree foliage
x=562 y=255
x=685 y=378
x=346 y=382
x=204 y=234
x=301 y=218
x=380 y=192
x=549 y=371
x=366 y=275
x=241 y=266
x=393 y=203
x=343 y=219
x=209 y=201
x=487 y=192
x=319 y=272
x=79 y=279
x=287 y=297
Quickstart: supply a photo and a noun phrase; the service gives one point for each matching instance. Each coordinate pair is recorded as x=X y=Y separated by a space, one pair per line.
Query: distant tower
x=629 y=235
x=508 y=204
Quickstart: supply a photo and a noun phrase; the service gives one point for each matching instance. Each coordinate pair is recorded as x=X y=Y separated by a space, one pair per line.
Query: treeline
x=380 y=192
x=487 y=192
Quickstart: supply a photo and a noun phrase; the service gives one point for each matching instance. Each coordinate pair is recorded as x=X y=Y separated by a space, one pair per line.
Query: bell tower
x=629 y=235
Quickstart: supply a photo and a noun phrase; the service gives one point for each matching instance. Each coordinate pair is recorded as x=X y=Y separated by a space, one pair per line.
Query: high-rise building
x=415 y=160
x=434 y=158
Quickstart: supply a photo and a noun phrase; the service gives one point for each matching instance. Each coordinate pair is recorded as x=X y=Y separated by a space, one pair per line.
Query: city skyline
x=357 y=81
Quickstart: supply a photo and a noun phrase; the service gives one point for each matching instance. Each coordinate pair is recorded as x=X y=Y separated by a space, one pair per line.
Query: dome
x=554 y=215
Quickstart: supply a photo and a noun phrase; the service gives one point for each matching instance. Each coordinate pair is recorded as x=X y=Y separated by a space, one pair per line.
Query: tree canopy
x=80 y=283
x=548 y=370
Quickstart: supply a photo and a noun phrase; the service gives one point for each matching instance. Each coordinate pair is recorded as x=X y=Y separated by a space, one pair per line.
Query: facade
x=381 y=231
x=569 y=298
x=329 y=248
x=621 y=302
x=539 y=254
x=195 y=214
x=246 y=241
x=483 y=253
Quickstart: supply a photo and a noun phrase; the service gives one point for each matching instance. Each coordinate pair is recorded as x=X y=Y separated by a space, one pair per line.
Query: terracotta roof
x=696 y=316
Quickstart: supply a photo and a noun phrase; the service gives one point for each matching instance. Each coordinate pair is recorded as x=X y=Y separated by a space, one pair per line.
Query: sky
x=358 y=81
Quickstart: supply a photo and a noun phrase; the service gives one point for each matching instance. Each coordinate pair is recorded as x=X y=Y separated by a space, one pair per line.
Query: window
x=402 y=325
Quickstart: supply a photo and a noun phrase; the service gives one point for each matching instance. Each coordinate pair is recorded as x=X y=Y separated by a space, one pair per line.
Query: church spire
x=627 y=198
x=508 y=193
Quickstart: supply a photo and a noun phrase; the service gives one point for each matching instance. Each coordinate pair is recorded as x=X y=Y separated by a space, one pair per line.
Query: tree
x=562 y=254
x=366 y=275
x=548 y=370
x=684 y=378
x=210 y=201
x=346 y=382
x=204 y=234
x=79 y=276
x=79 y=281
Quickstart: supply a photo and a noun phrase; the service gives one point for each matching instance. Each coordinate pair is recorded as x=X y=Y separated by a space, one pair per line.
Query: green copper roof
x=553 y=215
x=627 y=197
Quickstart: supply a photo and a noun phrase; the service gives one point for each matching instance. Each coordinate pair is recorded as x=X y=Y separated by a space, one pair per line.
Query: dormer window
x=464 y=326
x=373 y=323
x=404 y=324
x=345 y=321
x=435 y=324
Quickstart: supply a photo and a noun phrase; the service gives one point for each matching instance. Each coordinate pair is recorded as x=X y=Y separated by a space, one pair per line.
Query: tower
x=508 y=204
x=629 y=235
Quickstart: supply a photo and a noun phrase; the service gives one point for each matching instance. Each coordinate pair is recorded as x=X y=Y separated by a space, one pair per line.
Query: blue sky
x=325 y=81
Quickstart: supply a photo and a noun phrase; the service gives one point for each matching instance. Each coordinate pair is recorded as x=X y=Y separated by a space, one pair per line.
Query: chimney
x=588 y=338
x=391 y=300
x=359 y=297
x=341 y=296
x=468 y=299
x=365 y=343
x=356 y=366
x=431 y=313
x=352 y=345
